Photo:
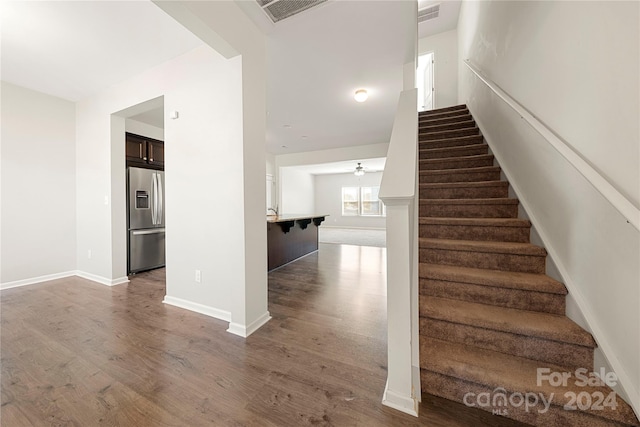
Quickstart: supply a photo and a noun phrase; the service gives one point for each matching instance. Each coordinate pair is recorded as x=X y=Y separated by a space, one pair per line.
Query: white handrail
x=617 y=200
x=399 y=179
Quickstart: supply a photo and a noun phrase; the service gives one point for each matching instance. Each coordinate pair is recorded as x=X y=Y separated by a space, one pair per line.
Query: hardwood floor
x=76 y=353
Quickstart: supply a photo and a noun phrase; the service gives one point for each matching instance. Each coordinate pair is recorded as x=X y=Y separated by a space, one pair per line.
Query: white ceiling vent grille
x=278 y=10
x=427 y=13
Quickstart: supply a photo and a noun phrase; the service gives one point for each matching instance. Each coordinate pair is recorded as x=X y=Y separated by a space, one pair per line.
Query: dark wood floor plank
x=78 y=353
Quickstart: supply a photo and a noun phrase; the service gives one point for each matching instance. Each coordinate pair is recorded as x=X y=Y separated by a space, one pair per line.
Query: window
x=370 y=204
x=361 y=201
x=350 y=201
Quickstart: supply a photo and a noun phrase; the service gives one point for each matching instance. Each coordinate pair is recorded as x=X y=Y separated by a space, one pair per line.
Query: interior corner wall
x=445 y=49
x=296 y=192
x=575 y=66
x=328 y=199
x=203 y=150
x=144 y=129
x=38 y=186
x=230 y=31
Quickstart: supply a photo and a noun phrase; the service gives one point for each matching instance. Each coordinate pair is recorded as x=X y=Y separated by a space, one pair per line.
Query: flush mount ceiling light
x=359 y=170
x=361 y=95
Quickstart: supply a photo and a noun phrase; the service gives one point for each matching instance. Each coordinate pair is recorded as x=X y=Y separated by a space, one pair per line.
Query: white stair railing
x=599 y=182
x=398 y=192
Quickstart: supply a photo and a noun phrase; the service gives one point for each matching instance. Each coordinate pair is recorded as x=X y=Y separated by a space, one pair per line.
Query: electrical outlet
x=198 y=276
x=89 y=254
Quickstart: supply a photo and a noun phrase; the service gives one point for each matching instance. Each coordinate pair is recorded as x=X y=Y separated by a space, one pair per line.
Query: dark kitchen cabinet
x=156 y=152
x=136 y=148
x=144 y=152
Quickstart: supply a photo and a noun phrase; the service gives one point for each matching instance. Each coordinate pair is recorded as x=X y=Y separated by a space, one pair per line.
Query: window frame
x=359 y=202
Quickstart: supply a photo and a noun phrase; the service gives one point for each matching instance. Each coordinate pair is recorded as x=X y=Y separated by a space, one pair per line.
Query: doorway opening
x=425 y=80
x=138 y=132
x=349 y=200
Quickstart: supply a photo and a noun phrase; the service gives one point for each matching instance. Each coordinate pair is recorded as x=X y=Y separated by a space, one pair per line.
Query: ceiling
x=316 y=60
x=446 y=21
x=154 y=117
x=73 y=49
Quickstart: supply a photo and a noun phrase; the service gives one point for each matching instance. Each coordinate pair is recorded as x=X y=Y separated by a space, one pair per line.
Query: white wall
x=38 y=192
x=203 y=177
x=224 y=26
x=445 y=49
x=575 y=66
x=579 y=76
x=328 y=199
x=144 y=129
x=296 y=192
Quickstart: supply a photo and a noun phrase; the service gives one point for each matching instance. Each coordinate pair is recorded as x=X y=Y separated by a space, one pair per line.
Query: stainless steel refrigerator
x=145 y=219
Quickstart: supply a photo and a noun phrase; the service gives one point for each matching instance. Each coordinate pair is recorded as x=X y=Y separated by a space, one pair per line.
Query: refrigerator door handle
x=160 y=200
x=154 y=206
x=143 y=232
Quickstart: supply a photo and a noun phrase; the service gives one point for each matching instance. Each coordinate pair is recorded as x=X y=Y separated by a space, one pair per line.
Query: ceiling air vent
x=278 y=10
x=427 y=13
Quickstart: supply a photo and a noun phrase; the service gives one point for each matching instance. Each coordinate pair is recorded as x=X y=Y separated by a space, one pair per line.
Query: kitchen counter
x=291 y=217
x=291 y=236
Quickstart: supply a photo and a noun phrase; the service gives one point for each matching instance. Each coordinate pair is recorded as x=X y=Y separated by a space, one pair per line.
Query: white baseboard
x=102 y=280
x=48 y=277
x=400 y=402
x=415 y=374
x=198 y=308
x=34 y=280
x=245 y=331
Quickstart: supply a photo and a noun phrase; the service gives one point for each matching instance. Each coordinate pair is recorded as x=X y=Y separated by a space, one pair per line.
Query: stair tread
x=458 y=138
x=475 y=184
x=460 y=111
x=474 y=128
x=522 y=322
x=483 y=222
x=456 y=148
x=514 y=374
x=461 y=170
x=462 y=116
x=465 y=123
x=443 y=110
x=483 y=201
x=513 y=248
x=457 y=158
x=496 y=278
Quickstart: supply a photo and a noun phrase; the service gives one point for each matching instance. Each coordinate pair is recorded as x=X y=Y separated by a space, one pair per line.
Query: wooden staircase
x=489 y=316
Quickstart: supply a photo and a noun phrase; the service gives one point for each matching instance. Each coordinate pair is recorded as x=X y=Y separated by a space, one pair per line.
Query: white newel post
x=400 y=392
x=398 y=192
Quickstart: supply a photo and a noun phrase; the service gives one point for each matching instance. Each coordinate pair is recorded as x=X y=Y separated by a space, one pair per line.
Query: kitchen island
x=290 y=237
